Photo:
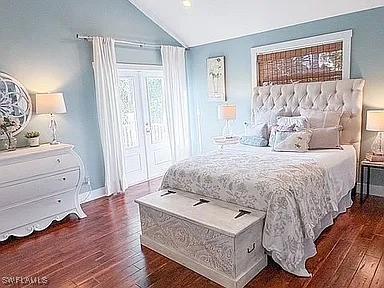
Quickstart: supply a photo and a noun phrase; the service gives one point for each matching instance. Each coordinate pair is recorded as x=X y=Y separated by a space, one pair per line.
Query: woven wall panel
x=310 y=64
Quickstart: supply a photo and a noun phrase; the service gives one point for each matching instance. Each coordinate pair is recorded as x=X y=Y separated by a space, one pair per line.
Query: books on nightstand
x=374 y=158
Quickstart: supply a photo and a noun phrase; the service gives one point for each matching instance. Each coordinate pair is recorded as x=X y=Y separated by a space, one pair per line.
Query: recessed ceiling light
x=187 y=3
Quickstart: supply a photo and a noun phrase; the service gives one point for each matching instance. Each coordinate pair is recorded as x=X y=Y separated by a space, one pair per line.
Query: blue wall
x=38 y=47
x=367 y=62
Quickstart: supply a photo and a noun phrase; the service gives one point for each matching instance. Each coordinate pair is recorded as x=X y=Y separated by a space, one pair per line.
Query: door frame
x=141 y=68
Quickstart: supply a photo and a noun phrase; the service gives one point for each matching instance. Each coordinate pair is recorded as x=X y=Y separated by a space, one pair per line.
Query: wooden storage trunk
x=206 y=237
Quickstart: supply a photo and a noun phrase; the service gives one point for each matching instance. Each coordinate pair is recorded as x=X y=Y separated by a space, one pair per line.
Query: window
x=319 y=58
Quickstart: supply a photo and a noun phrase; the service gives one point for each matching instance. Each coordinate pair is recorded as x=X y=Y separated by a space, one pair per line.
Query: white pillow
x=292 y=141
x=300 y=122
x=321 y=119
x=288 y=124
x=280 y=128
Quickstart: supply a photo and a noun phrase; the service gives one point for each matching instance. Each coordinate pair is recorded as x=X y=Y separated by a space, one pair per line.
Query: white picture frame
x=216 y=79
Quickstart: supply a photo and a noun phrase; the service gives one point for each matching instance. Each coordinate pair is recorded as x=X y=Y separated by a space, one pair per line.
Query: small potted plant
x=33 y=138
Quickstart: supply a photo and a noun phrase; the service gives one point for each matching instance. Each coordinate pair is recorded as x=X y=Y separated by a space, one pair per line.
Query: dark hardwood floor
x=103 y=250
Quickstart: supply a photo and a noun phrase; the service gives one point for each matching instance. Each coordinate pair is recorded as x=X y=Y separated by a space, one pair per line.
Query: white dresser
x=38 y=185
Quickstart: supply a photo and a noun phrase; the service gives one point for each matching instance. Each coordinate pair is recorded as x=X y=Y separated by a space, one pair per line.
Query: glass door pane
x=129 y=112
x=156 y=107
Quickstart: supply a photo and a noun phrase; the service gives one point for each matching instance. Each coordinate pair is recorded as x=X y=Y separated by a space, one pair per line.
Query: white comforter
x=296 y=190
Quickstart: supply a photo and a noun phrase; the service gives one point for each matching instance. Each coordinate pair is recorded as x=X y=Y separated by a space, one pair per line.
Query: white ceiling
x=214 y=20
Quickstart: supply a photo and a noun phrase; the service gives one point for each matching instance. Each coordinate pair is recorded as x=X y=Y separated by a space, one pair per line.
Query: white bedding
x=339 y=164
x=300 y=192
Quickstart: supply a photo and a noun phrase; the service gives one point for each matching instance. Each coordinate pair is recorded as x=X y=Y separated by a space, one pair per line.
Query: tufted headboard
x=340 y=95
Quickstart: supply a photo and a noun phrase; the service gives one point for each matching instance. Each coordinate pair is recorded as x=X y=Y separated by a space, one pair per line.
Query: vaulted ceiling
x=214 y=20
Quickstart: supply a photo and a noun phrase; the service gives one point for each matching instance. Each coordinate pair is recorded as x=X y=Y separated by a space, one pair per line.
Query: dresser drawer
x=21 y=171
x=34 y=189
x=36 y=211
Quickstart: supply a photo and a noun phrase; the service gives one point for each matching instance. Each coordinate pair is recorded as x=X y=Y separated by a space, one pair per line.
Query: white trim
x=138 y=67
x=345 y=36
x=158 y=22
x=146 y=180
x=92 y=195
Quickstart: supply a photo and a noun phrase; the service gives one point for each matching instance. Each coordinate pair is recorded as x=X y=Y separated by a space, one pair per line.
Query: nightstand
x=222 y=141
x=367 y=165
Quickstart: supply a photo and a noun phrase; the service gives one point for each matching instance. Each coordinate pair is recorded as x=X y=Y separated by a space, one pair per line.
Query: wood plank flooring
x=103 y=250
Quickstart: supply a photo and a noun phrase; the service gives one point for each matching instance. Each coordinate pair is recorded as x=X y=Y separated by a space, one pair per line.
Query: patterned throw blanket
x=292 y=190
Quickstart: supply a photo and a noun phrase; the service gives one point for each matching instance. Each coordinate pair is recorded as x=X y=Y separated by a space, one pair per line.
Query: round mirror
x=15 y=101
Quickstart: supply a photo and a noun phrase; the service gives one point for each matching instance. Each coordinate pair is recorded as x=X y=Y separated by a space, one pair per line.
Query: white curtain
x=108 y=108
x=176 y=101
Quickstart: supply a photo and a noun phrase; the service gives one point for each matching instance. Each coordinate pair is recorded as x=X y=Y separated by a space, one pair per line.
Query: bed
x=301 y=193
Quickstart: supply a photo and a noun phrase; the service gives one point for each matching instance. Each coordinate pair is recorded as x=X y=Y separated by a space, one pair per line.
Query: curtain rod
x=123 y=42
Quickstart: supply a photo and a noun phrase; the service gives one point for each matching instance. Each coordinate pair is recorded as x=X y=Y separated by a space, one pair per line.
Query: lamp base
x=53 y=127
x=227 y=130
x=378 y=145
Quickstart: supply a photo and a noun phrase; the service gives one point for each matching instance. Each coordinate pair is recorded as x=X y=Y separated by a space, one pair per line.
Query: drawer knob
x=58 y=200
x=64 y=178
x=58 y=160
x=253 y=248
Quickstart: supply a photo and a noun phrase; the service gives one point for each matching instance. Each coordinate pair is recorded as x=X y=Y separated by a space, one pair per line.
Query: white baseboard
x=92 y=195
x=374 y=190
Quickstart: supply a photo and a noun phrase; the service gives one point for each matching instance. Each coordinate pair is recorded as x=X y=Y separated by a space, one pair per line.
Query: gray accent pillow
x=254 y=141
x=325 y=138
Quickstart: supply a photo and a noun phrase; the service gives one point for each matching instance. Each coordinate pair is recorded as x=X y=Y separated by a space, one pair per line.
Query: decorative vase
x=34 y=142
x=10 y=143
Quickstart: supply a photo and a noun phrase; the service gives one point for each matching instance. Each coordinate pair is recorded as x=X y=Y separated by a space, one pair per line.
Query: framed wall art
x=216 y=79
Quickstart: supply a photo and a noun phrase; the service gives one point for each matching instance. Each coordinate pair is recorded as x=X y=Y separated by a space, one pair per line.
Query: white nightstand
x=222 y=141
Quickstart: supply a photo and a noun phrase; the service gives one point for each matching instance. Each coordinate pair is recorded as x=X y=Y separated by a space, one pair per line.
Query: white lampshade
x=227 y=112
x=375 y=120
x=50 y=103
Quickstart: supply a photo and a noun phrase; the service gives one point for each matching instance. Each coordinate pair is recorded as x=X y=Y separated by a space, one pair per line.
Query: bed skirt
x=309 y=244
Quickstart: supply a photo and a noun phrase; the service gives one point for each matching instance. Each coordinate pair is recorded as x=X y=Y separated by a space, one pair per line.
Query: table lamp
x=227 y=112
x=375 y=122
x=51 y=103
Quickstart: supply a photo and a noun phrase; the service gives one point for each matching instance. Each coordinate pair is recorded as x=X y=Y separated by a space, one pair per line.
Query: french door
x=146 y=144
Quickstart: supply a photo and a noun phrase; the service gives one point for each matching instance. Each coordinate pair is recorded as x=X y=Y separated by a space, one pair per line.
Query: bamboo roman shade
x=310 y=64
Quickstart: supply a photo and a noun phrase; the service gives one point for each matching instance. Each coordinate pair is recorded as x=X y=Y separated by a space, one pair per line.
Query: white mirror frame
x=20 y=101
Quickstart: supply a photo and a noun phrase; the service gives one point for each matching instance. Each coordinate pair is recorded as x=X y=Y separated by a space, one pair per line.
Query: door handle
x=147 y=128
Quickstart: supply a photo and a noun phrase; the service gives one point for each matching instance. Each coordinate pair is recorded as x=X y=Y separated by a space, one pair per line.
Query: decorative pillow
x=299 y=121
x=321 y=119
x=258 y=130
x=292 y=141
x=325 y=138
x=281 y=128
x=254 y=141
